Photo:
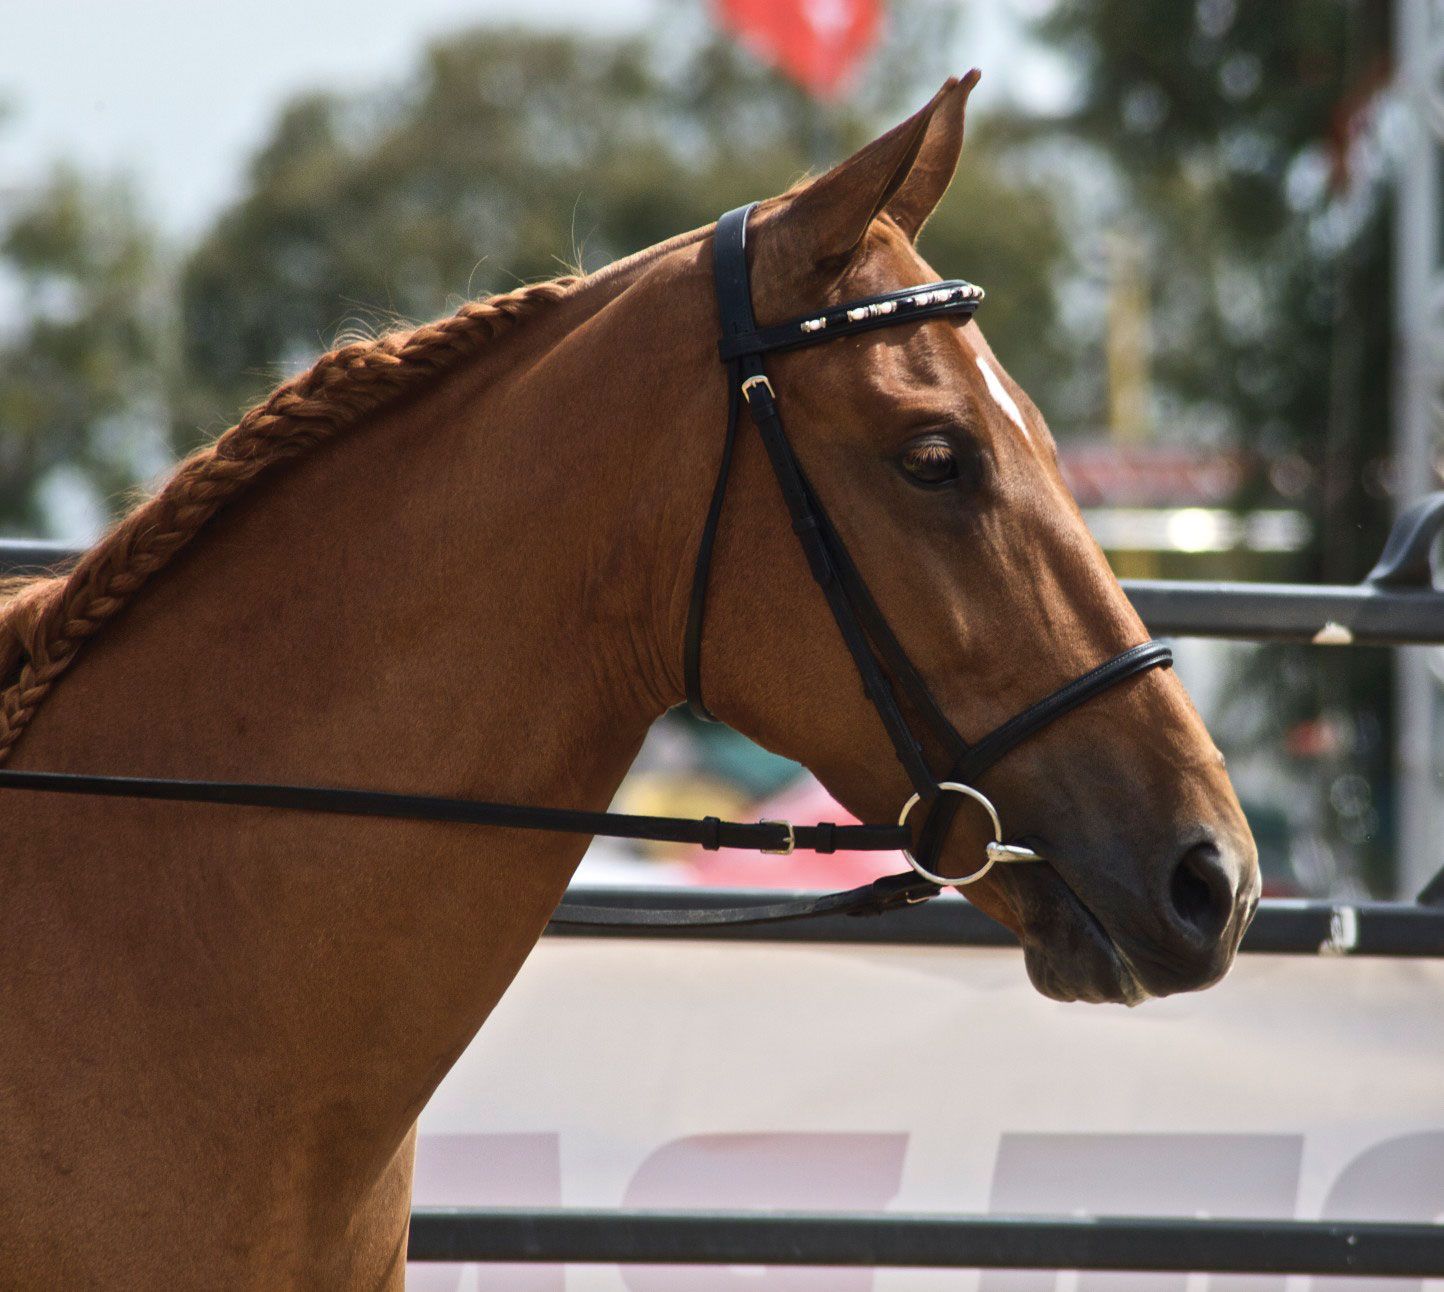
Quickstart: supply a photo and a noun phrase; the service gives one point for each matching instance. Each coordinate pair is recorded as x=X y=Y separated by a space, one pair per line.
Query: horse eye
x=931 y=462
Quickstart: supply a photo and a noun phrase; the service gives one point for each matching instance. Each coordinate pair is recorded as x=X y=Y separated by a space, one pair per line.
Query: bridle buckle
x=790 y=846
x=758 y=380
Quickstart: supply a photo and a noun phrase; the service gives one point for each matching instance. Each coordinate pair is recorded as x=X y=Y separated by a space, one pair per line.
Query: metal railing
x=1283 y=926
x=564 y=1235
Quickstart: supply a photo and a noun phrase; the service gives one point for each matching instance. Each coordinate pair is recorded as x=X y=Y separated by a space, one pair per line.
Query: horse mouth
x=1069 y=953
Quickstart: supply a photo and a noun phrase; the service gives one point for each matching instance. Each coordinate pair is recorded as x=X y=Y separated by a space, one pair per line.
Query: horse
x=457 y=560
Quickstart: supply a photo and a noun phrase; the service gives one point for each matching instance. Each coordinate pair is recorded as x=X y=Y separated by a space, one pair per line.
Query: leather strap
x=808 y=526
x=885 y=894
x=697 y=603
x=710 y=832
x=733 y=225
x=1069 y=696
x=974 y=762
x=809 y=523
x=906 y=305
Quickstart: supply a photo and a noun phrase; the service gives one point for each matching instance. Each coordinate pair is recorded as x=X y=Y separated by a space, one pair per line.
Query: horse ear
x=827 y=220
x=922 y=188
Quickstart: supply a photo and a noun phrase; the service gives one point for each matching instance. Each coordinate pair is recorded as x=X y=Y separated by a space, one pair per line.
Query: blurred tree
x=1228 y=130
x=81 y=362
x=510 y=148
x=1234 y=141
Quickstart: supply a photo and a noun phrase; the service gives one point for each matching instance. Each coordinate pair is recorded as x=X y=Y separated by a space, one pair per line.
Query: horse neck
x=460 y=597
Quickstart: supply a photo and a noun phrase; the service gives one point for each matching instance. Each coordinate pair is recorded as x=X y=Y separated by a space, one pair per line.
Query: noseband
x=881 y=663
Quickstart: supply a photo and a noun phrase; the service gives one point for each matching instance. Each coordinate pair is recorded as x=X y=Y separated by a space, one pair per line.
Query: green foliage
x=80 y=380
x=1223 y=128
x=510 y=153
x=1219 y=123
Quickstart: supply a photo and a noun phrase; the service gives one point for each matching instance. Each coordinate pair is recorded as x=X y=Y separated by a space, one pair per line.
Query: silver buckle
x=791 y=845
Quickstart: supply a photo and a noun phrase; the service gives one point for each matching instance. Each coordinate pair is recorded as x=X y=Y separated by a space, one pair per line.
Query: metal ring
x=945 y=881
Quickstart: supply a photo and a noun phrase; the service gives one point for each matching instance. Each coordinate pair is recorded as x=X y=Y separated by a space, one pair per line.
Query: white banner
x=726 y=1074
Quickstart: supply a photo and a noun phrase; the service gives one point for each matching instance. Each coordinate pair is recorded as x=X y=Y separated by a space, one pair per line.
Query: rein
x=875 y=650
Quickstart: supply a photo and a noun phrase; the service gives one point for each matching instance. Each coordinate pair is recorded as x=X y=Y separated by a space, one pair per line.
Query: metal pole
x=607 y=1237
x=1419 y=342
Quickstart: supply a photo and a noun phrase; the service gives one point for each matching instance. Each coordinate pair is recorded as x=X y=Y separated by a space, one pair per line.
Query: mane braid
x=44 y=625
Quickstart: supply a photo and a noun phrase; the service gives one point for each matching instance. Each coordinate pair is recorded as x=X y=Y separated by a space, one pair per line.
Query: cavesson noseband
x=881 y=661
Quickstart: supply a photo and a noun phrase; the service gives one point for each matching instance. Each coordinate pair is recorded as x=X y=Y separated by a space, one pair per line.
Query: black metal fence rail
x=1281 y=927
x=1321 y=614
x=610 y=1237
x=32 y=556
x=1395 y=605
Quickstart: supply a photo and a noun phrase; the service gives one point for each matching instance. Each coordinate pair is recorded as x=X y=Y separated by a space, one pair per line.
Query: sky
x=177 y=94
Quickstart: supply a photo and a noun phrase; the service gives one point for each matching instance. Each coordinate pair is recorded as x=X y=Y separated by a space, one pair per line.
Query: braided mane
x=46 y=621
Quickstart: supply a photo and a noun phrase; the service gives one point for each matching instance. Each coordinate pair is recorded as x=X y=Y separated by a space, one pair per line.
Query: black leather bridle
x=881 y=662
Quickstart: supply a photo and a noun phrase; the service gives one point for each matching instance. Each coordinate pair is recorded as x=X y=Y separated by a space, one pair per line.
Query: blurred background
x=1209 y=233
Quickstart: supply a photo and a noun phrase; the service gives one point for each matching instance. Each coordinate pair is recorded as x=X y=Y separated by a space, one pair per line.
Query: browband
x=906 y=305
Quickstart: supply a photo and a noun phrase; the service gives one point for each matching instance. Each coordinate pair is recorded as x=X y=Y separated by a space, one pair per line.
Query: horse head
x=943 y=482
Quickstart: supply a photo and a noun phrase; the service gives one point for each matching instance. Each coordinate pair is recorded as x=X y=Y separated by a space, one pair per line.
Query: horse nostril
x=1202 y=893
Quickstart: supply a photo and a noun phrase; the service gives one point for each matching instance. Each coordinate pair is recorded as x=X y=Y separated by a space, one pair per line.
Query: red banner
x=818 y=43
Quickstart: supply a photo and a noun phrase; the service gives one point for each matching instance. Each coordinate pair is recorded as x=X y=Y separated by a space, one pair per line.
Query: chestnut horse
x=457 y=561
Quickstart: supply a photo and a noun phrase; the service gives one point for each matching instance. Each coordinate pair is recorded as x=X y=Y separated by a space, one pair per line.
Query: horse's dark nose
x=1202 y=893
x=1199 y=919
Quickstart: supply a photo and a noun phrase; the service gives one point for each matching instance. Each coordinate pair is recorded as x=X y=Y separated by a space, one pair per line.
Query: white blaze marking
x=1004 y=400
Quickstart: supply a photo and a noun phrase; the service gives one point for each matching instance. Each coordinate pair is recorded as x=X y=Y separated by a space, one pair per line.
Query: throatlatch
x=880 y=658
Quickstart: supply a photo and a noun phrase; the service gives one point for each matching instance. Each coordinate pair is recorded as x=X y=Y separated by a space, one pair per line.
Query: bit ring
x=998 y=851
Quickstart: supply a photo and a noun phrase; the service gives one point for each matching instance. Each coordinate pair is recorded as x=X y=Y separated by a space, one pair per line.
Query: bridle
x=864 y=629
x=880 y=659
